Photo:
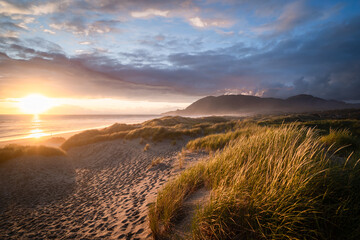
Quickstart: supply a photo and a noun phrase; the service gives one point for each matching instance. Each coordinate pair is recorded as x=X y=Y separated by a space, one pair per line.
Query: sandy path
x=114 y=185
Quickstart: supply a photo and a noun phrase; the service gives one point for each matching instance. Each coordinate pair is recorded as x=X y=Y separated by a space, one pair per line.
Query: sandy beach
x=112 y=187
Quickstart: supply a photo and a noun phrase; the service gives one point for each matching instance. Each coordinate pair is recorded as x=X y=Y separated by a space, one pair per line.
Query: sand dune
x=114 y=185
x=35 y=179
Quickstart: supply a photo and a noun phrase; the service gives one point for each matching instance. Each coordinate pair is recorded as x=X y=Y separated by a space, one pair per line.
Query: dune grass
x=147 y=147
x=275 y=183
x=340 y=138
x=171 y=128
x=164 y=211
x=14 y=151
x=181 y=157
x=156 y=161
x=218 y=141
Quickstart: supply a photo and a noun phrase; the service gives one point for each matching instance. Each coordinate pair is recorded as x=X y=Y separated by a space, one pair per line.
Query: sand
x=109 y=200
x=54 y=140
x=30 y=180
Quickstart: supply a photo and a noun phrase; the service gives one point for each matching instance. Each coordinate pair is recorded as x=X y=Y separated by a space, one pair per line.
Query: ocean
x=13 y=127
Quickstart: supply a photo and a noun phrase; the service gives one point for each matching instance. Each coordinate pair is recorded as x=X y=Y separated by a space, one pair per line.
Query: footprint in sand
x=124 y=226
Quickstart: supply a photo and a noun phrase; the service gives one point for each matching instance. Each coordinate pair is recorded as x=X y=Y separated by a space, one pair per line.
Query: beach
x=169 y=177
x=114 y=184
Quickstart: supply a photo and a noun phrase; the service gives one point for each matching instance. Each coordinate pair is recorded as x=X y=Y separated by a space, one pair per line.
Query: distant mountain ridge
x=245 y=104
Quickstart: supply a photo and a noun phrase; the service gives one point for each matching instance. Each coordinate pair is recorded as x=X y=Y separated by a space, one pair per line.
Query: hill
x=243 y=104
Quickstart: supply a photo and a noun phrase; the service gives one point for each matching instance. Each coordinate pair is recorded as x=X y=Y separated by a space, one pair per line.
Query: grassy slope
x=156 y=130
x=13 y=151
x=275 y=183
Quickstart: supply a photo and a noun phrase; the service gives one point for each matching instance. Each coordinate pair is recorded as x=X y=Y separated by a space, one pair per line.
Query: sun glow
x=35 y=104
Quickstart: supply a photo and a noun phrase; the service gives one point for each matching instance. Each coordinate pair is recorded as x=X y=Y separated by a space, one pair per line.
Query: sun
x=35 y=104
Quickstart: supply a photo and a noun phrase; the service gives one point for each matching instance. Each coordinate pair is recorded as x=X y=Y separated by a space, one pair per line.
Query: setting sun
x=35 y=104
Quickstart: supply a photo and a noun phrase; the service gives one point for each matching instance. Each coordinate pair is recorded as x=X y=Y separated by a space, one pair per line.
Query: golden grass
x=181 y=158
x=169 y=201
x=13 y=151
x=214 y=142
x=340 y=138
x=147 y=147
x=156 y=161
x=275 y=183
x=171 y=128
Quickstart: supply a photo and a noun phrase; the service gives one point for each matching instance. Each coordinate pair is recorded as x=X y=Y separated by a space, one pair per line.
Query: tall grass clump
x=168 y=205
x=340 y=138
x=13 y=151
x=156 y=161
x=147 y=147
x=277 y=183
x=181 y=157
x=217 y=141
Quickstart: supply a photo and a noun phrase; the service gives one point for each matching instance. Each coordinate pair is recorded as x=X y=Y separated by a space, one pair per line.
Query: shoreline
x=44 y=140
x=40 y=137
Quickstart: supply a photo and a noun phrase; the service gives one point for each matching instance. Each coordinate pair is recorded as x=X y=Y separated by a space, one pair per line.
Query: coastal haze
x=179 y=119
x=240 y=105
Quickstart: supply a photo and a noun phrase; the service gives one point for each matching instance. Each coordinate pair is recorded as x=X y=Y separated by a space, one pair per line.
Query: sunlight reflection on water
x=36 y=119
x=13 y=127
x=37 y=133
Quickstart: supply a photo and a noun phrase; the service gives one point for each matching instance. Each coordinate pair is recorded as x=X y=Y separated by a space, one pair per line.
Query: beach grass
x=156 y=161
x=274 y=183
x=166 y=128
x=340 y=138
x=14 y=151
x=218 y=141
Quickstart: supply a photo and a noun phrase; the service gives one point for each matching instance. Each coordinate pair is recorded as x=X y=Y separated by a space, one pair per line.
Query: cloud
x=172 y=43
x=86 y=75
x=293 y=14
x=194 y=12
x=10 y=29
x=30 y=9
x=79 y=26
x=49 y=31
x=22 y=20
x=149 y=13
x=323 y=61
x=16 y=48
x=225 y=33
x=197 y=22
x=204 y=23
x=85 y=43
x=64 y=77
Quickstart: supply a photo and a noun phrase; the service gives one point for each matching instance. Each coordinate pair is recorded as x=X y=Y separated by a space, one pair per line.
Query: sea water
x=13 y=127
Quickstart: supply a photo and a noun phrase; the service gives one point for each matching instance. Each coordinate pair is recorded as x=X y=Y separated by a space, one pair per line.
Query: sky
x=151 y=56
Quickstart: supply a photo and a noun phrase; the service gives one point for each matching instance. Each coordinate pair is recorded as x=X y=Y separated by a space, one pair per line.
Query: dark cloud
x=88 y=75
x=324 y=60
x=10 y=29
x=115 y=5
x=325 y=63
x=25 y=3
x=10 y=26
x=293 y=14
x=17 y=48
